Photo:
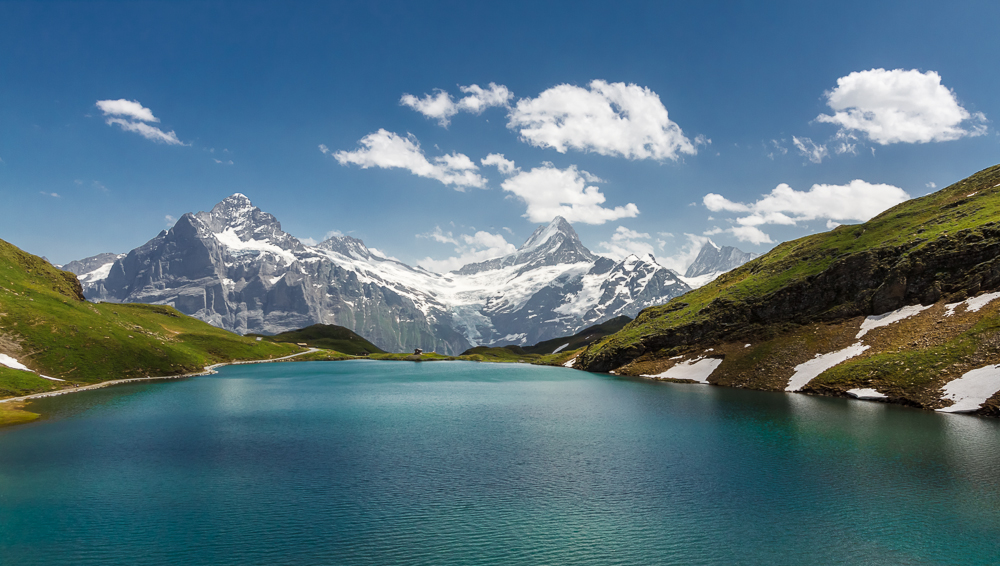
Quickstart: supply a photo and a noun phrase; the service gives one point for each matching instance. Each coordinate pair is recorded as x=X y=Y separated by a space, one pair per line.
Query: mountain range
x=235 y=268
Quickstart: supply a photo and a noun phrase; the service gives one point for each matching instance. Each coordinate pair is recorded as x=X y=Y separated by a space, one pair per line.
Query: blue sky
x=682 y=117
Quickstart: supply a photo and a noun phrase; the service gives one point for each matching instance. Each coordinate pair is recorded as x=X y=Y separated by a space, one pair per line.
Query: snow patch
x=878 y=321
x=12 y=363
x=570 y=363
x=560 y=348
x=52 y=378
x=231 y=240
x=98 y=274
x=866 y=394
x=970 y=391
x=806 y=371
x=698 y=369
x=973 y=304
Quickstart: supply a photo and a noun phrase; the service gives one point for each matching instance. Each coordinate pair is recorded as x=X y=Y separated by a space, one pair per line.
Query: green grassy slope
x=330 y=337
x=47 y=325
x=941 y=246
x=583 y=338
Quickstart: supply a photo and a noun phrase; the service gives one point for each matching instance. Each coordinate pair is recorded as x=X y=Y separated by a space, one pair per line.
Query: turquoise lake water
x=384 y=463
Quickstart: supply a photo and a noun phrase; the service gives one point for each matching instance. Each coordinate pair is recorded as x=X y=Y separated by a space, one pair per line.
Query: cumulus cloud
x=53 y=195
x=549 y=192
x=131 y=116
x=615 y=119
x=900 y=106
x=441 y=106
x=504 y=165
x=810 y=150
x=857 y=201
x=683 y=256
x=388 y=150
x=127 y=108
x=625 y=242
x=469 y=248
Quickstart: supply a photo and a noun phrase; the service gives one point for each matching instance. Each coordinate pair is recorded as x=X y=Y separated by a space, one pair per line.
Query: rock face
x=235 y=268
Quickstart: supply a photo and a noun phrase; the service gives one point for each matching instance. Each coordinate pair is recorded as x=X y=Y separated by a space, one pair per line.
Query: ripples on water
x=461 y=463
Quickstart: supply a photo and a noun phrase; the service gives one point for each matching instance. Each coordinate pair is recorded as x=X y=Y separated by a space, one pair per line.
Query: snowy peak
x=555 y=243
x=713 y=259
x=347 y=246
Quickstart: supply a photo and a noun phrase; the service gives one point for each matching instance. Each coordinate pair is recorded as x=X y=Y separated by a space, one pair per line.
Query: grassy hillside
x=47 y=325
x=809 y=296
x=328 y=336
x=583 y=338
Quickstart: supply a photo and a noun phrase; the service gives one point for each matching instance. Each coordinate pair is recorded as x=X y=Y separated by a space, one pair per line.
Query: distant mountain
x=94 y=268
x=715 y=260
x=235 y=268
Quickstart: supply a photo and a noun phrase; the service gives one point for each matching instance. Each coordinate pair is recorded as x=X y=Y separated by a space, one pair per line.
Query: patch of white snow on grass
x=12 y=363
x=970 y=391
x=570 y=363
x=866 y=393
x=973 y=304
x=560 y=348
x=976 y=303
x=806 y=371
x=698 y=369
x=888 y=318
x=52 y=378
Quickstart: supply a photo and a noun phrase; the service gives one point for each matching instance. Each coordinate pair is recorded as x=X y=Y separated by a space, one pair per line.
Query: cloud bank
x=900 y=106
x=473 y=248
x=388 y=150
x=441 y=106
x=614 y=119
x=549 y=192
x=855 y=201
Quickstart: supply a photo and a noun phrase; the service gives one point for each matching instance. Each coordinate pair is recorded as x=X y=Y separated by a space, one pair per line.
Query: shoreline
x=208 y=370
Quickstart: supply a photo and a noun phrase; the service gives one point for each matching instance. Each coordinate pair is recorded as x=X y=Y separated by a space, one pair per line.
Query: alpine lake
x=459 y=463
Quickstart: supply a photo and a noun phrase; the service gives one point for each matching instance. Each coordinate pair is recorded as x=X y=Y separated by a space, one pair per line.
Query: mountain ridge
x=902 y=305
x=235 y=268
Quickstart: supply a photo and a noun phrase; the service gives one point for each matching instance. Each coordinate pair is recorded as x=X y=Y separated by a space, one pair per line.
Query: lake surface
x=367 y=462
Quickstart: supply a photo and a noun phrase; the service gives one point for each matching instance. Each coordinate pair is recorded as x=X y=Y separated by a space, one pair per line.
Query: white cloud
x=388 y=150
x=221 y=162
x=857 y=201
x=170 y=220
x=625 y=242
x=441 y=106
x=778 y=149
x=610 y=119
x=53 y=195
x=325 y=150
x=900 y=106
x=504 y=165
x=135 y=118
x=931 y=185
x=550 y=192
x=814 y=152
x=128 y=108
x=470 y=248
x=685 y=255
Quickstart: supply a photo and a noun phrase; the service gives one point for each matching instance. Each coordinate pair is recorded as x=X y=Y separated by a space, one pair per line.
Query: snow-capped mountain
x=713 y=261
x=235 y=268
